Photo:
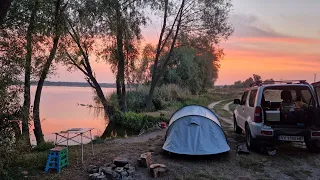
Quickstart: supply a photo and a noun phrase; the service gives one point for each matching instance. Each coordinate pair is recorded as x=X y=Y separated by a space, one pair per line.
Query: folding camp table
x=74 y=132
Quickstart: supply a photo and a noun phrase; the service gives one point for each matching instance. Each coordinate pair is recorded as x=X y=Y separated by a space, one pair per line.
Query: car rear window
x=273 y=94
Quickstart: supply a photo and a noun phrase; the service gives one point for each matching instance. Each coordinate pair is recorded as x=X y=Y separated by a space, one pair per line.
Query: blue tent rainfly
x=195 y=130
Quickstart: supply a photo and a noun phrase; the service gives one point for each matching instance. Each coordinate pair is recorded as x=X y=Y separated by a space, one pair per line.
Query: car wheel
x=236 y=128
x=250 y=141
x=313 y=146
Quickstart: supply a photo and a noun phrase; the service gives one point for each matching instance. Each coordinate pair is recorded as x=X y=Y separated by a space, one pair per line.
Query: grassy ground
x=203 y=100
x=232 y=107
x=219 y=109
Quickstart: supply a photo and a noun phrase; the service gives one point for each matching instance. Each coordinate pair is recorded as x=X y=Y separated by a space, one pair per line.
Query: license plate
x=291 y=138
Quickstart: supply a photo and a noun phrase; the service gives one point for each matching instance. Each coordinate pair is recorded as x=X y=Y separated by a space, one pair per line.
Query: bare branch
x=163 y=27
x=75 y=64
x=186 y=10
x=90 y=83
x=171 y=29
x=76 y=39
x=174 y=38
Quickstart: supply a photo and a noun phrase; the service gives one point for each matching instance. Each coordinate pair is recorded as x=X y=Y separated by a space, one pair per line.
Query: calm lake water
x=59 y=110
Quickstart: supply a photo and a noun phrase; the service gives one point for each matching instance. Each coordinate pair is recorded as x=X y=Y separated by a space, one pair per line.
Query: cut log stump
x=145 y=160
x=158 y=170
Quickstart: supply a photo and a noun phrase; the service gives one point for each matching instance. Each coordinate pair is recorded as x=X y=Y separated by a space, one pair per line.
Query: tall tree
x=120 y=81
x=124 y=19
x=11 y=66
x=30 y=23
x=195 y=18
x=84 y=34
x=27 y=75
x=56 y=33
x=194 y=65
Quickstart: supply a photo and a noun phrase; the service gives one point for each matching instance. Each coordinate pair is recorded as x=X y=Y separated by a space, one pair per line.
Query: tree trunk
x=123 y=96
x=118 y=85
x=108 y=110
x=155 y=65
x=158 y=71
x=121 y=61
x=36 y=106
x=87 y=71
x=150 y=95
x=4 y=7
x=26 y=103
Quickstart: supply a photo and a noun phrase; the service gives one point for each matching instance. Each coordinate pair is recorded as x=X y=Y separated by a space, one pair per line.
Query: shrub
x=7 y=145
x=158 y=103
x=113 y=100
x=135 y=121
x=44 y=146
x=136 y=99
x=162 y=98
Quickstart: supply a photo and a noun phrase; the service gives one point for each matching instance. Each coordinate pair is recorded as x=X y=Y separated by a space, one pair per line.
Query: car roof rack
x=260 y=83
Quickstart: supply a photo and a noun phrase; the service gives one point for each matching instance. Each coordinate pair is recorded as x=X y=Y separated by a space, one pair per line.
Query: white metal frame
x=65 y=137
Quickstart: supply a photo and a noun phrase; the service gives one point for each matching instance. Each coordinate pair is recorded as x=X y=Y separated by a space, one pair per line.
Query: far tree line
x=37 y=35
x=255 y=78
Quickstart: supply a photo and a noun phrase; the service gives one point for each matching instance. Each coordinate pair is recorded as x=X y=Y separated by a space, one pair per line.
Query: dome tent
x=195 y=130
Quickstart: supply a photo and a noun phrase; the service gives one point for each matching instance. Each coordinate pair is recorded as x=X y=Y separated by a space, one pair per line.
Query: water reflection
x=59 y=110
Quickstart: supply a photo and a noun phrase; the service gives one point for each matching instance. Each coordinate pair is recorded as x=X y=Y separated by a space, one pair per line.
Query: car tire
x=313 y=146
x=250 y=141
x=236 y=128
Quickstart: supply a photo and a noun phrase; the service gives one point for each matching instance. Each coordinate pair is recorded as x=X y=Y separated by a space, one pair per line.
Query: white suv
x=280 y=111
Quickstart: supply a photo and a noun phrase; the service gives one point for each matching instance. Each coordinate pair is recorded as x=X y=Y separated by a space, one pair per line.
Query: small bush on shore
x=136 y=121
x=44 y=146
x=163 y=97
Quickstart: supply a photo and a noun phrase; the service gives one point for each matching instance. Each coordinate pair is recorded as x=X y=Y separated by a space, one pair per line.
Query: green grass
x=220 y=111
x=232 y=107
x=203 y=100
x=33 y=163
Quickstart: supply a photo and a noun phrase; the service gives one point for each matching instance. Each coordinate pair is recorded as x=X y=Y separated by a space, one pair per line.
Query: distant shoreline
x=73 y=84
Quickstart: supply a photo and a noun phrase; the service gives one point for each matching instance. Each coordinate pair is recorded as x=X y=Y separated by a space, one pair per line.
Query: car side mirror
x=236 y=101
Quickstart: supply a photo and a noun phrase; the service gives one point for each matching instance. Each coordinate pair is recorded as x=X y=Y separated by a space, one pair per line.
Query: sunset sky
x=275 y=39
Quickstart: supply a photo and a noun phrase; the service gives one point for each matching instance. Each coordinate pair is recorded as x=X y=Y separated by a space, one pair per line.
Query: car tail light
x=269 y=133
x=257 y=115
x=315 y=133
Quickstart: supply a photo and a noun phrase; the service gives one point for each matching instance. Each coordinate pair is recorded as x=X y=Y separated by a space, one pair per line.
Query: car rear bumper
x=259 y=132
